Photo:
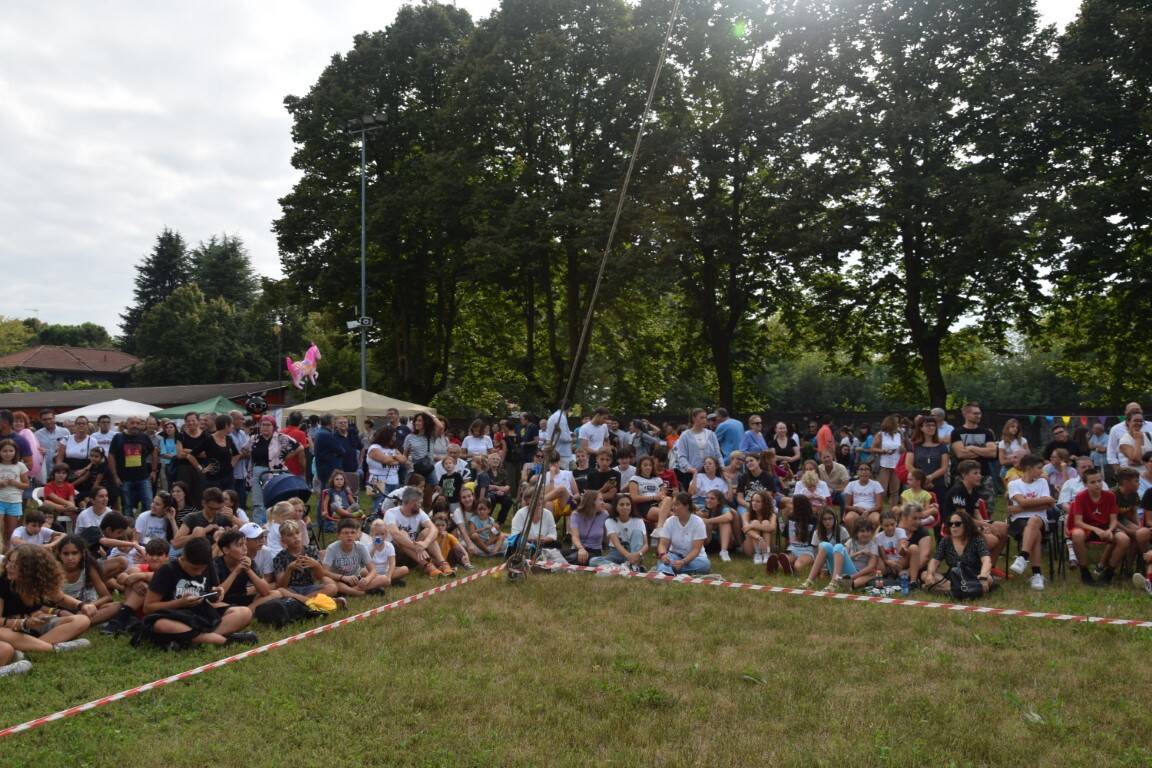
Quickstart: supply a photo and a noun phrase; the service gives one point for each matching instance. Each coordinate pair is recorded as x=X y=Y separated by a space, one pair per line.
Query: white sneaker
x=1142 y=583
x=71 y=645
x=20 y=667
x=724 y=556
x=656 y=534
x=758 y=559
x=1037 y=581
x=19 y=656
x=1018 y=565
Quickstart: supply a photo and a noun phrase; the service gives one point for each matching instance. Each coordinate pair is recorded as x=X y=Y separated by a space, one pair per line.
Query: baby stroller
x=280 y=485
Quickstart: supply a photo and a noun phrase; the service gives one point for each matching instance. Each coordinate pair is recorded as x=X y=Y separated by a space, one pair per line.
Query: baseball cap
x=251 y=531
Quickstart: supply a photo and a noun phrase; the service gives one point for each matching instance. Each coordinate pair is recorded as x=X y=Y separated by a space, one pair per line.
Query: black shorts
x=1016 y=527
x=919 y=535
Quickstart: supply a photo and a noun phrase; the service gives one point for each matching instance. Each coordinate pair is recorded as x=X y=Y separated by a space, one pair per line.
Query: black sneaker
x=1087 y=580
x=399 y=583
x=243 y=638
x=112 y=627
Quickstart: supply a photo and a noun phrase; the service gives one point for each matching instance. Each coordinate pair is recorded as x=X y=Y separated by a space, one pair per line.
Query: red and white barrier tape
x=855 y=598
x=130 y=692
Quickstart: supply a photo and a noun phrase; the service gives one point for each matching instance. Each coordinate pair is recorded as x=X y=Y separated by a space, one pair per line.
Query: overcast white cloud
x=121 y=118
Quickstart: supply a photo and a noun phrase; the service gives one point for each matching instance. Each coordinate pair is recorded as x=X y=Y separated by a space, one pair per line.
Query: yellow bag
x=321 y=603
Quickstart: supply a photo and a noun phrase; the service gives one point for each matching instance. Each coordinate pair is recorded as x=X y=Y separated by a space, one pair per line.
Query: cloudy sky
x=121 y=118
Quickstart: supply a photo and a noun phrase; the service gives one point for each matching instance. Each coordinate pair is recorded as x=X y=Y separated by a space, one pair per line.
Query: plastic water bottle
x=1072 y=561
x=904 y=585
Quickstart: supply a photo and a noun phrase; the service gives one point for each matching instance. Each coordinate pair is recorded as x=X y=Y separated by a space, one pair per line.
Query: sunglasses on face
x=956 y=523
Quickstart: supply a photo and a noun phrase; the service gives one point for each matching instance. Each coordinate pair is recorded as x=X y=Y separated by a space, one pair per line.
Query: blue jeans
x=698 y=565
x=133 y=492
x=259 y=514
x=830 y=551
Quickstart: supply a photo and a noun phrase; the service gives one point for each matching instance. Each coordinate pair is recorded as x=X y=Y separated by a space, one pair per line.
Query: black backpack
x=283 y=610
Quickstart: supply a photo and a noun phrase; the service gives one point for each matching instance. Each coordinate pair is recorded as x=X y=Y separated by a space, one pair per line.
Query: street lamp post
x=362 y=127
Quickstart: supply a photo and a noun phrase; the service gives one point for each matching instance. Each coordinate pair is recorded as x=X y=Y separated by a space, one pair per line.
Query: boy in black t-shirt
x=603 y=475
x=451 y=483
x=183 y=604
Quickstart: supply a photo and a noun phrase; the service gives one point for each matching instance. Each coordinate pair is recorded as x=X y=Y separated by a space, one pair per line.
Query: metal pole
x=363 y=261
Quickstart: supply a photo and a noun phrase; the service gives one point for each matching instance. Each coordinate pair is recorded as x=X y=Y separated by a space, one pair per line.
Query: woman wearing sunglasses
x=962 y=547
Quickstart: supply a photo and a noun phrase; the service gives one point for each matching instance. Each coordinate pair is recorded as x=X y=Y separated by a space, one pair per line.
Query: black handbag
x=964 y=585
x=424 y=465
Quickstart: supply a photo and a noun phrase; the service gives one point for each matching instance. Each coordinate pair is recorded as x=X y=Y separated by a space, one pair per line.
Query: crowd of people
x=172 y=543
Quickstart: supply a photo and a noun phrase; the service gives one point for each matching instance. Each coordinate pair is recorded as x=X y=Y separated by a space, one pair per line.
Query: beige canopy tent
x=359 y=403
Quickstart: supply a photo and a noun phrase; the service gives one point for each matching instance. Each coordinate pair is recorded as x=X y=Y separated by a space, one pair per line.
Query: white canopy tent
x=359 y=404
x=117 y=409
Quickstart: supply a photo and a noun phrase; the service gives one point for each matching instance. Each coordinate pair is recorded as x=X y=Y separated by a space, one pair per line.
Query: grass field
x=576 y=670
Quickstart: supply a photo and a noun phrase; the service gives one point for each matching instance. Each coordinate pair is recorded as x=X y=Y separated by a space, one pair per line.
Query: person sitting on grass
x=59 y=494
x=210 y=521
x=82 y=580
x=963 y=549
x=863 y=497
x=857 y=562
x=540 y=532
x=455 y=552
x=32 y=577
x=627 y=538
x=414 y=536
x=232 y=506
x=718 y=520
x=12 y=662
x=893 y=543
x=159 y=522
x=760 y=527
x=184 y=607
x=91 y=516
x=646 y=490
x=587 y=526
x=682 y=539
x=349 y=564
x=920 y=546
x=134 y=584
x=1029 y=498
x=916 y=493
x=707 y=479
x=383 y=555
x=297 y=567
x=801 y=536
x=458 y=519
x=239 y=581
x=34 y=531
x=1092 y=517
x=484 y=532
x=831 y=538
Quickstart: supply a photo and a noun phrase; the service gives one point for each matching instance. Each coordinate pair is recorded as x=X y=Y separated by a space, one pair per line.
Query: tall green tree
x=418 y=191
x=222 y=269
x=935 y=128
x=82 y=335
x=161 y=272
x=1101 y=205
x=191 y=339
x=15 y=335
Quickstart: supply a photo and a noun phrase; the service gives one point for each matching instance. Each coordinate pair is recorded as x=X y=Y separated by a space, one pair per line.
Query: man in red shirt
x=1092 y=516
x=294 y=463
x=825 y=440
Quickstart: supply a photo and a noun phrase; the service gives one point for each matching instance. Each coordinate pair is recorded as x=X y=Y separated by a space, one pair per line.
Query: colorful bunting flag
x=1102 y=419
x=1083 y=421
x=1066 y=419
x=1050 y=419
x=1032 y=419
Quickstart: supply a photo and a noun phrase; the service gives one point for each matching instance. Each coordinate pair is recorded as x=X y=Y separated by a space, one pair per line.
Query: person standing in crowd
x=219 y=455
x=132 y=465
x=888 y=445
x=49 y=437
x=594 y=434
x=557 y=428
x=189 y=449
x=8 y=431
x=327 y=450
x=349 y=440
x=972 y=441
x=104 y=433
x=930 y=456
x=785 y=446
x=695 y=445
x=1098 y=445
x=242 y=440
x=943 y=428
x=825 y=440
x=22 y=426
x=729 y=433
x=753 y=442
x=1060 y=439
x=296 y=463
x=270 y=451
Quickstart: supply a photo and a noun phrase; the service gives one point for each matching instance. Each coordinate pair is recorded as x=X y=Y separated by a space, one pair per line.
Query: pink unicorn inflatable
x=304 y=369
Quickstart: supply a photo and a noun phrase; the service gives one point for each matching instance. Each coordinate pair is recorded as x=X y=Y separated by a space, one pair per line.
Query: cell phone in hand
x=210 y=596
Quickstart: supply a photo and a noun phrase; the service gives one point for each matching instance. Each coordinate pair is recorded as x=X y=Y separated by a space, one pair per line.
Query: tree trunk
x=929 y=349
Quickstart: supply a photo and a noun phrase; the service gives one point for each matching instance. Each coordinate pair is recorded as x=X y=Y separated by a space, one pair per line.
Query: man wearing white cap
x=260 y=555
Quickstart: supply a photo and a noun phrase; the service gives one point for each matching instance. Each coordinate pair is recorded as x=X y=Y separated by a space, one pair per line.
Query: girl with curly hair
x=33 y=577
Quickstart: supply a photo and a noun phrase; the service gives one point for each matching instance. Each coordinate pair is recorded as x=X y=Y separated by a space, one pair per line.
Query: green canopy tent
x=211 y=405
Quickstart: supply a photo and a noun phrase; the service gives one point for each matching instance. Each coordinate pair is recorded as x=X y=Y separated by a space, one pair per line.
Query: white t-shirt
x=104 y=439
x=410 y=525
x=11 y=493
x=150 y=526
x=262 y=563
x=1033 y=490
x=476 y=445
x=626 y=475
x=382 y=558
x=388 y=474
x=647 y=486
x=594 y=435
x=545 y=529
x=89 y=519
x=821 y=491
x=681 y=536
x=81 y=449
x=561 y=479
x=43 y=537
x=889 y=443
x=1118 y=431
x=1074 y=485
x=890 y=545
x=563 y=439
x=705 y=484
x=865 y=496
x=1127 y=439
x=627 y=531
x=1018 y=444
